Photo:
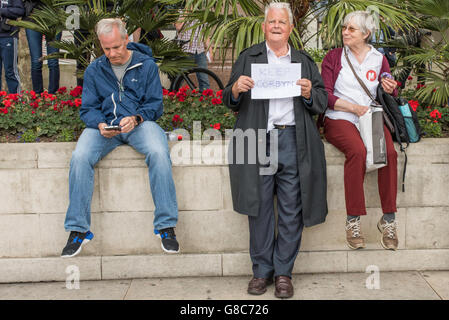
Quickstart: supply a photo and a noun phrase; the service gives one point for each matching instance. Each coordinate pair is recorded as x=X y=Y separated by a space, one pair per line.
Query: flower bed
x=29 y=117
x=434 y=120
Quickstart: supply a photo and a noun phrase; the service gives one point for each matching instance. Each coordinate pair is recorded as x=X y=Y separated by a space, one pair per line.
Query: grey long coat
x=310 y=150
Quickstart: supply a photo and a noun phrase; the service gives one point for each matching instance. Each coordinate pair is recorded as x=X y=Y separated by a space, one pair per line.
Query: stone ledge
x=226 y=264
x=58 y=154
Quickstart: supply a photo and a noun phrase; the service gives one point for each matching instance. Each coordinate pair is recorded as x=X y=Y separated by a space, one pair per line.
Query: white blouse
x=348 y=88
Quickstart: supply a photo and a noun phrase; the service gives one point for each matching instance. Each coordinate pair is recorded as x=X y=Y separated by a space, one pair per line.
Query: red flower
x=172 y=94
x=435 y=114
x=3 y=93
x=164 y=92
x=399 y=83
x=201 y=98
x=77 y=91
x=62 y=90
x=181 y=96
x=220 y=93
x=176 y=118
x=410 y=78
x=414 y=104
x=184 y=89
x=208 y=93
x=78 y=102
x=7 y=103
x=33 y=112
x=420 y=85
x=216 y=101
x=13 y=96
x=216 y=126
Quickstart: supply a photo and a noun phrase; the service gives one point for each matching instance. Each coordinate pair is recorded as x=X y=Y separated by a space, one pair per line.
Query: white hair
x=105 y=26
x=364 y=20
x=279 y=5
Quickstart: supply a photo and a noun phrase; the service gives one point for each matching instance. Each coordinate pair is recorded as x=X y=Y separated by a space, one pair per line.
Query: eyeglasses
x=350 y=29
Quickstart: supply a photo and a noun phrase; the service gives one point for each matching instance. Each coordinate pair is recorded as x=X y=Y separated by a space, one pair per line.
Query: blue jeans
x=147 y=138
x=35 y=44
x=203 y=79
x=8 y=59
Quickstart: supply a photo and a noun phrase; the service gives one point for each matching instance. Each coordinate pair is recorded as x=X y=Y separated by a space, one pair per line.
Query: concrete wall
x=213 y=238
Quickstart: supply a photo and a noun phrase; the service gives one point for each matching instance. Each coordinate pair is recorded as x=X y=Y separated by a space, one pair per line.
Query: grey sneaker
x=168 y=240
x=354 y=236
x=389 y=239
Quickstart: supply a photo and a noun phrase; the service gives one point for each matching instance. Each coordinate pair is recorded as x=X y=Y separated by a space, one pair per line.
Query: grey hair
x=364 y=20
x=105 y=26
x=279 y=5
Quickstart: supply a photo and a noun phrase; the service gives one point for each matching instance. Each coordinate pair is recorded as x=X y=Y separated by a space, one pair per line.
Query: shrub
x=29 y=117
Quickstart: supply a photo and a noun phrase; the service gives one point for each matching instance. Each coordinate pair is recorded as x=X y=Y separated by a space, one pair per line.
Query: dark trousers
x=346 y=138
x=80 y=36
x=8 y=60
x=35 y=44
x=273 y=255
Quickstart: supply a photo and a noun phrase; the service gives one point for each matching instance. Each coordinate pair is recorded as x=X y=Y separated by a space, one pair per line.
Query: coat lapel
x=259 y=53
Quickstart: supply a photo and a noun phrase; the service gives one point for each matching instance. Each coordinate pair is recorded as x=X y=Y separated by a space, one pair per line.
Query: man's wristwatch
x=139 y=119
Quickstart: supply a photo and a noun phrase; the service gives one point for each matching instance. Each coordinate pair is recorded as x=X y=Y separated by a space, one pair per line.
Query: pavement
x=406 y=285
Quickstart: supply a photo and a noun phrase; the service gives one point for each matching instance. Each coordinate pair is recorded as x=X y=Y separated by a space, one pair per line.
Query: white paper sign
x=274 y=81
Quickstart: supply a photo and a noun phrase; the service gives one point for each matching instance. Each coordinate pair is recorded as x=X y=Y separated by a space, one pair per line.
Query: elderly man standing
x=299 y=180
x=122 y=99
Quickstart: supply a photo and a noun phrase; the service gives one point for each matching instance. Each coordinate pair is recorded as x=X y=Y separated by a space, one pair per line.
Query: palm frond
x=436 y=91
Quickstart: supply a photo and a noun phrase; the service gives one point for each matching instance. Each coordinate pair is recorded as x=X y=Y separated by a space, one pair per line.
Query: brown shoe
x=389 y=239
x=354 y=236
x=258 y=286
x=283 y=287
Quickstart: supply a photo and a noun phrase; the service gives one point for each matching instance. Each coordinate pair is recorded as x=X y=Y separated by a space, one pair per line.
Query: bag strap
x=374 y=100
x=358 y=79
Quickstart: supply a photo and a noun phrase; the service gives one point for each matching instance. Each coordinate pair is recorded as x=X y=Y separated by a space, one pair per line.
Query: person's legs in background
x=9 y=52
x=203 y=79
x=35 y=45
x=53 y=68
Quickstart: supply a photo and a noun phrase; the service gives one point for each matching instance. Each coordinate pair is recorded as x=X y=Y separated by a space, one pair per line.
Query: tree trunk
x=24 y=63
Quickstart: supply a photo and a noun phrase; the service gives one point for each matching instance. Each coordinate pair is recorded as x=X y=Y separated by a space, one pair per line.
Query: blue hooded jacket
x=107 y=100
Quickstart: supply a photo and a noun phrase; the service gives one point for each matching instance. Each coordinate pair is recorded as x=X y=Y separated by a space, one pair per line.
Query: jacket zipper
x=121 y=89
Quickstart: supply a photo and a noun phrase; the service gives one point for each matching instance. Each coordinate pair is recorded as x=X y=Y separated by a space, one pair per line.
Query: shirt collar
x=370 y=52
x=272 y=52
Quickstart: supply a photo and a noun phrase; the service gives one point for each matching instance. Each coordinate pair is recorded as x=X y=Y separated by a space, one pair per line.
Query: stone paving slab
x=411 y=285
x=439 y=281
x=88 y=290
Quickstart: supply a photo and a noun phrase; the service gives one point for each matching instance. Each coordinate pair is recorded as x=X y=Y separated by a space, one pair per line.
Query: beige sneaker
x=389 y=239
x=354 y=236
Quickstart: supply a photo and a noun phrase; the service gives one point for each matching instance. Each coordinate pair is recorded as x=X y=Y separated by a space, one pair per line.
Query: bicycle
x=189 y=77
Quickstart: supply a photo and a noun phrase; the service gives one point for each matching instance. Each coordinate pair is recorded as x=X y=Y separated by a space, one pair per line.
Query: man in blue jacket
x=9 y=35
x=122 y=99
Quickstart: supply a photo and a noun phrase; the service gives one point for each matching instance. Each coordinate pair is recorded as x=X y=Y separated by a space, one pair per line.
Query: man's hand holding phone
x=108 y=131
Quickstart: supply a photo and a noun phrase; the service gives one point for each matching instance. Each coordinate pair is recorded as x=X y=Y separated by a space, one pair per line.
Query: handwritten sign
x=275 y=81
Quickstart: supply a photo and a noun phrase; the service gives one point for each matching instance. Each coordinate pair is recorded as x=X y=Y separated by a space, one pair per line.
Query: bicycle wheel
x=190 y=79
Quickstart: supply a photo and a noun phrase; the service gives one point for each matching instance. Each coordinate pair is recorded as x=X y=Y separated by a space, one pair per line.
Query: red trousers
x=346 y=137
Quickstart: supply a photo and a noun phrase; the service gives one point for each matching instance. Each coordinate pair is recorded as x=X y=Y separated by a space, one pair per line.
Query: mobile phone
x=113 y=128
